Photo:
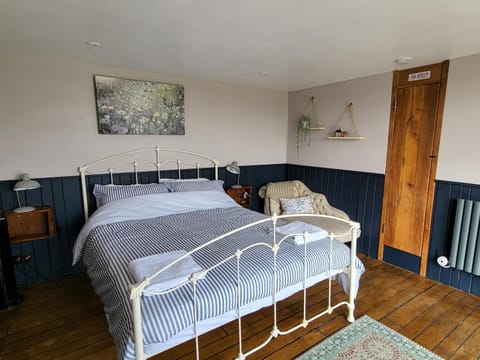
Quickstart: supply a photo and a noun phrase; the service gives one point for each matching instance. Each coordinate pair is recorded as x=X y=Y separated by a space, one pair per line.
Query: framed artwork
x=135 y=107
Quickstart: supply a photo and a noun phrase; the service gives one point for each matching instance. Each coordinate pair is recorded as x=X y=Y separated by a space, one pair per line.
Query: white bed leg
x=135 y=296
x=353 y=274
x=351 y=316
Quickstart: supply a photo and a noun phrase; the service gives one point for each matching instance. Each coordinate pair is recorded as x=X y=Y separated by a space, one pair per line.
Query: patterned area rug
x=367 y=339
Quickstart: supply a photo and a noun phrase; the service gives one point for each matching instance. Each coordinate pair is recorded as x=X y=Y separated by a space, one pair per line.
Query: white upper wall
x=48 y=122
x=371 y=102
x=458 y=155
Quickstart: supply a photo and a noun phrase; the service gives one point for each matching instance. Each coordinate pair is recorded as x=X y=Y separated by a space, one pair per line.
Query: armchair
x=272 y=192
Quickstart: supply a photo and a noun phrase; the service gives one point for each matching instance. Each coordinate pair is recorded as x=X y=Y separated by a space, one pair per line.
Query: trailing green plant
x=303 y=132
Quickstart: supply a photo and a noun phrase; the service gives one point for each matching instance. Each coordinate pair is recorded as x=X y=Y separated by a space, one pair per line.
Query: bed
x=228 y=261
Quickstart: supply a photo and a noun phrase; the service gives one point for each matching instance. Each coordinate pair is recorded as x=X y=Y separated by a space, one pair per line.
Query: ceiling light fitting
x=94 y=44
x=403 y=60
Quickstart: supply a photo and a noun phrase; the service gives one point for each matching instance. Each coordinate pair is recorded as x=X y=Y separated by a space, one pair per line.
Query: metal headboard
x=157 y=163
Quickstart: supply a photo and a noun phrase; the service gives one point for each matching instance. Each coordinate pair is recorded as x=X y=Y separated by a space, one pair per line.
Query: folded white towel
x=314 y=233
x=142 y=267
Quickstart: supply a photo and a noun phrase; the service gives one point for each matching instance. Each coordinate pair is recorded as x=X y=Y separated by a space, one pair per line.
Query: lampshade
x=25 y=184
x=234 y=169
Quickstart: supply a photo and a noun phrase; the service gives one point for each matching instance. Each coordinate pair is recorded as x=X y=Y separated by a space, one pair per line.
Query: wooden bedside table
x=32 y=225
x=242 y=195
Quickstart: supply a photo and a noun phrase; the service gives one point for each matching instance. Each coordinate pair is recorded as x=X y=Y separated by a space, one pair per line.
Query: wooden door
x=415 y=122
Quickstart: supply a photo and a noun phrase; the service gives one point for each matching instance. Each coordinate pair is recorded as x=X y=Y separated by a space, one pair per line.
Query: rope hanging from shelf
x=349 y=109
x=313 y=115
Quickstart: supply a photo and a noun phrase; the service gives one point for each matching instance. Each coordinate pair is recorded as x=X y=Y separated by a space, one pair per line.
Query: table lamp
x=234 y=169
x=25 y=184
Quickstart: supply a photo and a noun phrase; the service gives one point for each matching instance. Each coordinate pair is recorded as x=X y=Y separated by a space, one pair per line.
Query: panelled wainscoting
x=358 y=193
x=52 y=257
x=444 y=207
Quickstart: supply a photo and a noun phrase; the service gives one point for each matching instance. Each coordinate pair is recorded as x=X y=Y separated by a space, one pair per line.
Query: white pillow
x=298 y=205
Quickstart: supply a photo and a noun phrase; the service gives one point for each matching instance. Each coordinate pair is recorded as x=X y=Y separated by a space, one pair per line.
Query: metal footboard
x=139 y=289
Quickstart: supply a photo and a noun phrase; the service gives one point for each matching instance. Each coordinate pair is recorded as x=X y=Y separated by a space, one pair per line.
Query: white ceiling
x=298 y=43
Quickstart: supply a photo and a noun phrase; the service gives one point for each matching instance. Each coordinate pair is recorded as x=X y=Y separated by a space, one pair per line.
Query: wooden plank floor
x=65 y=320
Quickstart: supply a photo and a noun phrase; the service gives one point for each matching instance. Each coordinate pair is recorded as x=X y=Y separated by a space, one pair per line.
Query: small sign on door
x=419 y=76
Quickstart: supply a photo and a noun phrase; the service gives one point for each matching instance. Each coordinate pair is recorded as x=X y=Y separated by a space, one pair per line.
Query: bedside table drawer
x=32 y=225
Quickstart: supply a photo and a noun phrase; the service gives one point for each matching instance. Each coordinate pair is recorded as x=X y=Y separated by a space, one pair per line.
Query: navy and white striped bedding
x=110 y=247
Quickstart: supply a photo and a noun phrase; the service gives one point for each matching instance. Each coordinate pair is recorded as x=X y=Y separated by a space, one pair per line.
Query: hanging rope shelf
x=311 y=105
x=343 y=135
x=304 y=126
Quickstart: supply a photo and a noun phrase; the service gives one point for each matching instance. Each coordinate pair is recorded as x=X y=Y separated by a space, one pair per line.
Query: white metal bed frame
x=134 y=166
x=139 y=289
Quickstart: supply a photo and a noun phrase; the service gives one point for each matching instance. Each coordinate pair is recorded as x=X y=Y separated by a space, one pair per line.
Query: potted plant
x=303 y=131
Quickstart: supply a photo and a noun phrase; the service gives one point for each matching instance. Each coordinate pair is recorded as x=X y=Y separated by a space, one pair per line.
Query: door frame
x=400 y=80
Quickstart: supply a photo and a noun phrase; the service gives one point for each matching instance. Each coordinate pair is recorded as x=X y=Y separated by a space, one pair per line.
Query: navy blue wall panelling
x=52 y=257
x=446 y=194
x=402 y=259
x=358 y=194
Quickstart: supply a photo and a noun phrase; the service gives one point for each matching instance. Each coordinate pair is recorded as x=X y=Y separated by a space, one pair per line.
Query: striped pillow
x=106 y=193
x=298 y=205
x=182 y=186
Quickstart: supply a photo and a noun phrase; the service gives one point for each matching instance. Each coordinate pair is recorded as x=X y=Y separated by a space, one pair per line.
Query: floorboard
x=65 y=320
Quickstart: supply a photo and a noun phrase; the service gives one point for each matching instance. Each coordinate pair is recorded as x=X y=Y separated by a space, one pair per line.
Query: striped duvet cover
x=109 y=247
